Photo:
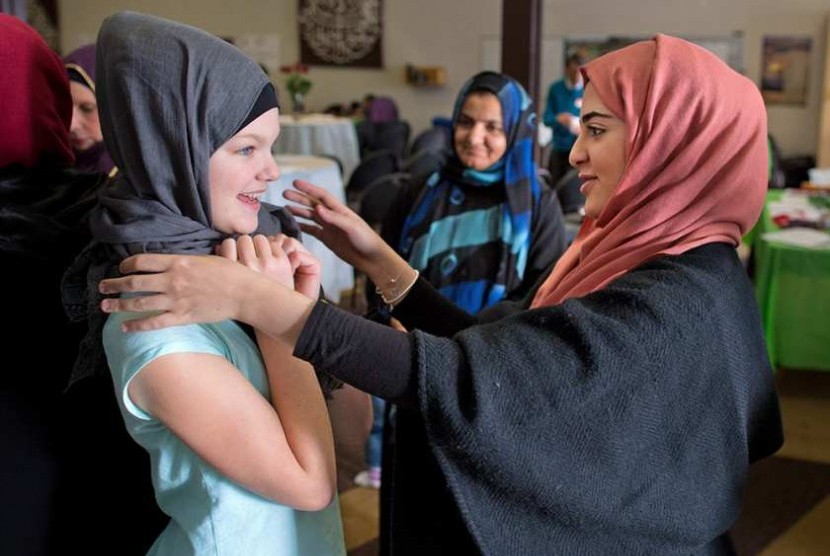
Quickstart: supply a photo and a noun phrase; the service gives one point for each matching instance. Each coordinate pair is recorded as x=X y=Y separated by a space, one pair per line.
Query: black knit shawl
x=622 y=422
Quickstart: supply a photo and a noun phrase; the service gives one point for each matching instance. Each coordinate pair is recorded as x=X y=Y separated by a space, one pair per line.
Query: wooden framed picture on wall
x=784 y=69
x=348 y=33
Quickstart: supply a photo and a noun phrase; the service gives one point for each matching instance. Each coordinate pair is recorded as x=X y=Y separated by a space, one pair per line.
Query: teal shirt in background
x=210 y=514
x=562 y=98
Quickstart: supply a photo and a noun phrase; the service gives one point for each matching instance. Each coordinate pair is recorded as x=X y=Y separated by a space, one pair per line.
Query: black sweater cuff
x=370 y=356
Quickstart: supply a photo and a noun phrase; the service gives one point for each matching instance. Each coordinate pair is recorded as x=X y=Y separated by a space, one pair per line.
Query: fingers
x=316 y=195
x=396 y=324
x=313 y=198
x=254 y=250
x=227 y=249
x=136 y=304
x=133 y=283
x=147 y=262
x=311 y=229
x=305 y=261
x=150 y=321
x=290 y=244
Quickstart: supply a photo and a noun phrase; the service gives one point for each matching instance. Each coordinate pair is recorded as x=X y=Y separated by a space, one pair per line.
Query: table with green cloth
x=792 y=285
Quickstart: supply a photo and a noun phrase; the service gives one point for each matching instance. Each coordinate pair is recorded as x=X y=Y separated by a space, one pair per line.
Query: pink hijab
x=696 y=169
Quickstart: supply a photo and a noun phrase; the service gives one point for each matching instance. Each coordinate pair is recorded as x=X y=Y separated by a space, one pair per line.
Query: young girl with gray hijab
x=237 y=429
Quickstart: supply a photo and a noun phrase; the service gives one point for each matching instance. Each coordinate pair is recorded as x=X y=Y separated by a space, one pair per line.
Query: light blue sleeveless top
x=210 y=515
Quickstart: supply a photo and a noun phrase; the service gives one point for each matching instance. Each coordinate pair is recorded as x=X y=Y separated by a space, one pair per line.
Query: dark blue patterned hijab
x=486 y=256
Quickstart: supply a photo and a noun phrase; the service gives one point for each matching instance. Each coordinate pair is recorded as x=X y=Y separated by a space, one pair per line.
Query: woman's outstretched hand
x=187 y=289
x=179 y=289
x=340 y=228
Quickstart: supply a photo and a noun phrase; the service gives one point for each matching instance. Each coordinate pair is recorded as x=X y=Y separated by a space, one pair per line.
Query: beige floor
x=805 y=405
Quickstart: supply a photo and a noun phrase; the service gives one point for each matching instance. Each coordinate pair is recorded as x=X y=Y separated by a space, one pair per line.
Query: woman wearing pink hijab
x=617 y=409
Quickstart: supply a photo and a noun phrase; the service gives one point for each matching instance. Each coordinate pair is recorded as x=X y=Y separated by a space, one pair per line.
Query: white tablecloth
x=320 y=134
x=337 y=275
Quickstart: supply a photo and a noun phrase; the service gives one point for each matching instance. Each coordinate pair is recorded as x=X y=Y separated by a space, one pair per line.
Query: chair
x=433 y=139
x=377 y=164
x=423 y=163
x=372 y=204
x=336 y=159
x=376 y=199
x=393 y=136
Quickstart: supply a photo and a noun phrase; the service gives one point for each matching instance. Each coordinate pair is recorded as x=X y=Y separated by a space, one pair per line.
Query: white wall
x=412 y=34
x=455 y=33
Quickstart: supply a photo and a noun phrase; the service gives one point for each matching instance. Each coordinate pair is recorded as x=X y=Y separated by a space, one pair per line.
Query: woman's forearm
x=372 y=357
x=273 y=309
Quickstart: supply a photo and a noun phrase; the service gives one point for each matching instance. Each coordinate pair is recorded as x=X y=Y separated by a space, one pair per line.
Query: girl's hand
x=263 y=254
x=307 y=269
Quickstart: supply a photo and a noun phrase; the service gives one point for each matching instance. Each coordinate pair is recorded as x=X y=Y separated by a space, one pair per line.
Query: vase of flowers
x=298 y=84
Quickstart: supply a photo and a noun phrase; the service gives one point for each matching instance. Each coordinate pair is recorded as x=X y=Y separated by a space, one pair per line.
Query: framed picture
x=784 y=69
x=345 y=34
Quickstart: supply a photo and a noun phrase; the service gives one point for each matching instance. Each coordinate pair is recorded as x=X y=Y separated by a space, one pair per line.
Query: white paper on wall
x=264 y=48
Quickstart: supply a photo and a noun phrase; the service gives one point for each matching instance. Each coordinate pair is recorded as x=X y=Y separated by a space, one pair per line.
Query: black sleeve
x=370 y=356
x=424 y=308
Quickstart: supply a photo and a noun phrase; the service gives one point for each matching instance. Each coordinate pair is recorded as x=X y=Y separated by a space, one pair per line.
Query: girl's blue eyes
x=246 y=151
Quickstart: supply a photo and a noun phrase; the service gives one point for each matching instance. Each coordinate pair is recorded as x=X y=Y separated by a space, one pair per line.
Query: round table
x=337 y=275
x=320 y=134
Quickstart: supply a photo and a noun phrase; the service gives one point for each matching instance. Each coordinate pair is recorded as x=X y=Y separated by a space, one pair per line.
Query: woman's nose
x=75 y=124
x=476 y=135
x=578 y=154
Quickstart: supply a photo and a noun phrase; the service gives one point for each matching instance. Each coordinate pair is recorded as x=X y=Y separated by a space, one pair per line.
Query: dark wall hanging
x=345 y=33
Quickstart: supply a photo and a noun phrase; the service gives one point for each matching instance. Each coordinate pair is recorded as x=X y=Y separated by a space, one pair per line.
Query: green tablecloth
x=792 y=285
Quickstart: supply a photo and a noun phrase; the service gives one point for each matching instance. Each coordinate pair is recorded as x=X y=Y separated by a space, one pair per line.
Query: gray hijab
x=169 y=95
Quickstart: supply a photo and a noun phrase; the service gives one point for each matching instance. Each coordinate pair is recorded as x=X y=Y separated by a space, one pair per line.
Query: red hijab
x=34 y=93
x=696 y=169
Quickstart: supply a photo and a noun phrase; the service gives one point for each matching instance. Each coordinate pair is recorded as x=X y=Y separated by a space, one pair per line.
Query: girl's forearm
x=299 y=403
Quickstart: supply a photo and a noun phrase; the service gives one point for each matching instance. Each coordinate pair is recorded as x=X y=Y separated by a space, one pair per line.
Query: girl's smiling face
x=239 y=172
